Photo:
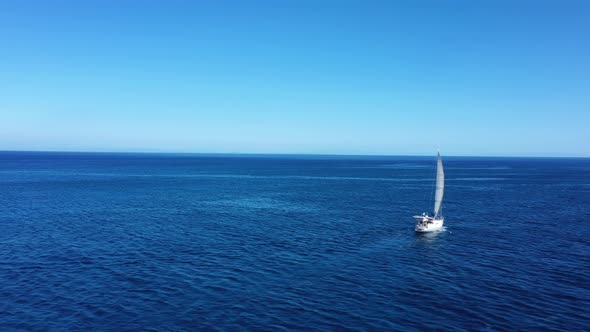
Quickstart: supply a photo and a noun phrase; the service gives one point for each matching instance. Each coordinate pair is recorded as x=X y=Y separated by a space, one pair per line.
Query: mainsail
x=440 y=186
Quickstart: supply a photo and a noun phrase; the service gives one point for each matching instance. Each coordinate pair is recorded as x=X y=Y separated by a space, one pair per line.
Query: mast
x=440 y=185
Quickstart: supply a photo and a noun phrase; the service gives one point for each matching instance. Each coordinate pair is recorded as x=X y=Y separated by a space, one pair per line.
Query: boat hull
x=428 y=225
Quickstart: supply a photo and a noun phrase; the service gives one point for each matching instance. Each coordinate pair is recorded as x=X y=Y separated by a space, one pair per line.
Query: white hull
x=427 y=224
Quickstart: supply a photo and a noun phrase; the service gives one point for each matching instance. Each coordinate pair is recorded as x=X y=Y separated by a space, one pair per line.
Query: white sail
x=440 y=186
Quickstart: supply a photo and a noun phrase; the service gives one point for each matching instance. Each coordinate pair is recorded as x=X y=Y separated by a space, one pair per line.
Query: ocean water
x=123 y=242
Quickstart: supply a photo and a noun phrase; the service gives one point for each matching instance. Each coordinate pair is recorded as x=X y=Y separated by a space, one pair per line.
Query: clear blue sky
x=488 y=77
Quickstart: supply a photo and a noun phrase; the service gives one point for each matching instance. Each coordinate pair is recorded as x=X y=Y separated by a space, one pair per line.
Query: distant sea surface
x=129 y=242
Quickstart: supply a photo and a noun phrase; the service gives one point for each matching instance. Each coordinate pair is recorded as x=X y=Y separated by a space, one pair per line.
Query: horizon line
x=285 y=154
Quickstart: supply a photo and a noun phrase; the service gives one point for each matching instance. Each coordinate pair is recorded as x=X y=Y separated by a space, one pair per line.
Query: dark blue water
x=172 y=242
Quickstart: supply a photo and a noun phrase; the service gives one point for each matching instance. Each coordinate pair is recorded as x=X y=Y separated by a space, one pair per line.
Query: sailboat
x=425 y=222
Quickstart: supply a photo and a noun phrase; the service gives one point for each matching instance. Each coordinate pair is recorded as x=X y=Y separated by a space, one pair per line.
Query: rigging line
x=425 y=197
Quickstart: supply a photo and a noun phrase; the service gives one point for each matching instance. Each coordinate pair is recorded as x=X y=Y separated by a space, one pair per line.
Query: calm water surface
x=194 y=242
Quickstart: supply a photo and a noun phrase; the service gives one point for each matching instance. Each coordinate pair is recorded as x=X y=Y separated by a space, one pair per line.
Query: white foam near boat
x=424 y=222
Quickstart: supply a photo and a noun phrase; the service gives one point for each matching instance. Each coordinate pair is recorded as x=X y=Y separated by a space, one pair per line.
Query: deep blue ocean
x=129 y=242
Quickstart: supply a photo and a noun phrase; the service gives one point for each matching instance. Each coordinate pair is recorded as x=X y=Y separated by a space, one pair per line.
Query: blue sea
x=156 y=242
